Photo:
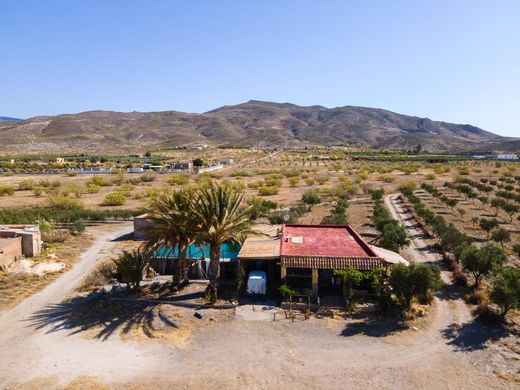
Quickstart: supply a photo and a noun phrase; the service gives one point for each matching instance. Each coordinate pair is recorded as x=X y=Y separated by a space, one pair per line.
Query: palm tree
x=220 y=219
x=173 y=224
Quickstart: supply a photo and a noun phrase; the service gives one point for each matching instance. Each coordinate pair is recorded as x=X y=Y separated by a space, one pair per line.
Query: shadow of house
x=87 y=313
x=472 y=336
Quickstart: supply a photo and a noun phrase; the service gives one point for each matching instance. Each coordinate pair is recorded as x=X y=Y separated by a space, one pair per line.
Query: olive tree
x=505 y=289
x=480 y=262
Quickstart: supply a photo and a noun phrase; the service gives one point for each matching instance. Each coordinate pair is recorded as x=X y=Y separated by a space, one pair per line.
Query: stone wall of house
x=10 y=250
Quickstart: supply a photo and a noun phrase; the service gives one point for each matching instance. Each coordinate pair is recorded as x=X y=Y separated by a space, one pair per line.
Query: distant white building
x=210 y=168
x=135 y=170
x=507 y=157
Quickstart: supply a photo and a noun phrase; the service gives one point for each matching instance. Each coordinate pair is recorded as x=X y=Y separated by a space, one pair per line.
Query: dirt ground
x=87 y=343
x=58 y=339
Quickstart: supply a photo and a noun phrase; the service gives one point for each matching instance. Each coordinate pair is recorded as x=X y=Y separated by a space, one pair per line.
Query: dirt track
x=38 y=346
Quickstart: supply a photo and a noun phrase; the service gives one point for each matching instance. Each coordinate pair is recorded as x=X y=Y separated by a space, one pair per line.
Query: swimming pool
x=228 y=250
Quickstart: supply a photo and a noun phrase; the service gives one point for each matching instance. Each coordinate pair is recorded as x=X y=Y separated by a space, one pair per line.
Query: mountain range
x=252 y=124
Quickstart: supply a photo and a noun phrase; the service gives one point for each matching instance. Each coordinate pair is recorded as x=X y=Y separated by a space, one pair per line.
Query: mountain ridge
x=251 y=124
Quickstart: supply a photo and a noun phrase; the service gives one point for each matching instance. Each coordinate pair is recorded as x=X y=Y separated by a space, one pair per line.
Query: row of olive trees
x=487 y=261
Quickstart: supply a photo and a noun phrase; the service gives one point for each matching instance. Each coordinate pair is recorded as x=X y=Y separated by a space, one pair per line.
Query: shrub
x=286 y=291
x=147 y=177
x=386 y=178
x=131 y=266
x=63 y=203
x=178 y=179
x=310 y=197
x=486 y=315
x=293 y=181
x=99 y=181
x=37 y=190
x=7 y=190
x=26 y=185
x=431 y=176
x=114 y=199
x=77 y=227
x=408 y=169
x=460 y=279
x=93 y=188
x=59 y=236
x=408 y=186
x=321 y=179
x=46 y=228
x=268 y=190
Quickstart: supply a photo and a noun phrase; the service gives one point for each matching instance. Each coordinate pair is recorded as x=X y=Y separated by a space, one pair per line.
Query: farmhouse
x=305 y=257
x=301 y=256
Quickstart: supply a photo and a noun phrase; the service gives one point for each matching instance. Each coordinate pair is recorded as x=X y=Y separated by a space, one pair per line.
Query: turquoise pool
x=229 y=250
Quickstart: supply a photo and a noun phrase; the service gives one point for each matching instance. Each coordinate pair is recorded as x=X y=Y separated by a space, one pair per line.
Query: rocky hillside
x=255 y=123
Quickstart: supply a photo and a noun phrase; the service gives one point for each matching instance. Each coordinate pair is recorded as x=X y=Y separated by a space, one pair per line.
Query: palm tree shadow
x=90 y=312
x=472 y=336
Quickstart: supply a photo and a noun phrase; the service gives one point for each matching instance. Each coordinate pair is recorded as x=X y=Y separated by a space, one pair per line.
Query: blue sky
x=456 y=61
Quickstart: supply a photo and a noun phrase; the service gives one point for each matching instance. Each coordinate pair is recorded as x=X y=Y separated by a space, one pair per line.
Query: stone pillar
x=315 y=282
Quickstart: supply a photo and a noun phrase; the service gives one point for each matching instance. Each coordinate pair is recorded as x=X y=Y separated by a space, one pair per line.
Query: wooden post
x=315 y=282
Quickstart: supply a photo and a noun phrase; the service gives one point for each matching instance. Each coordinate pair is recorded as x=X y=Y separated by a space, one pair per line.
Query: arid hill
x=255 y=123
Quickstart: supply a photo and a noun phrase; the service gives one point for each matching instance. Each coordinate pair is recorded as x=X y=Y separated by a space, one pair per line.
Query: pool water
x=228 y=250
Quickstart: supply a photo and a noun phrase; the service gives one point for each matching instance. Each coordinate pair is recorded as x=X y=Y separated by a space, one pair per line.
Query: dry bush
x=460 y=278
x=477 y=298
x=100 y=276
x=486 y=315
x=58 y=236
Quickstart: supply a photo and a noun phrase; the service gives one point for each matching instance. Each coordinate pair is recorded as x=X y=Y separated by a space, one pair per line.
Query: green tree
x=510 y=209
x=173 y=224
x=198 y=162
x=501 y=235
x=351 y=277
x=505 y=289
x=394 y=237
x=218 y=213
x=488 y=225
x=452 y=202
x=414 y=281
x=480 y=262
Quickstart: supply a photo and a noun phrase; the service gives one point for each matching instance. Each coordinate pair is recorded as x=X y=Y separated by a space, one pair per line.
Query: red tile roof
x=323 y=241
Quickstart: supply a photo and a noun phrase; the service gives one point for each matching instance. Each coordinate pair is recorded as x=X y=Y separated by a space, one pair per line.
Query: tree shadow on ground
x=84 y=313
x=472 y=336
x=375 y=327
